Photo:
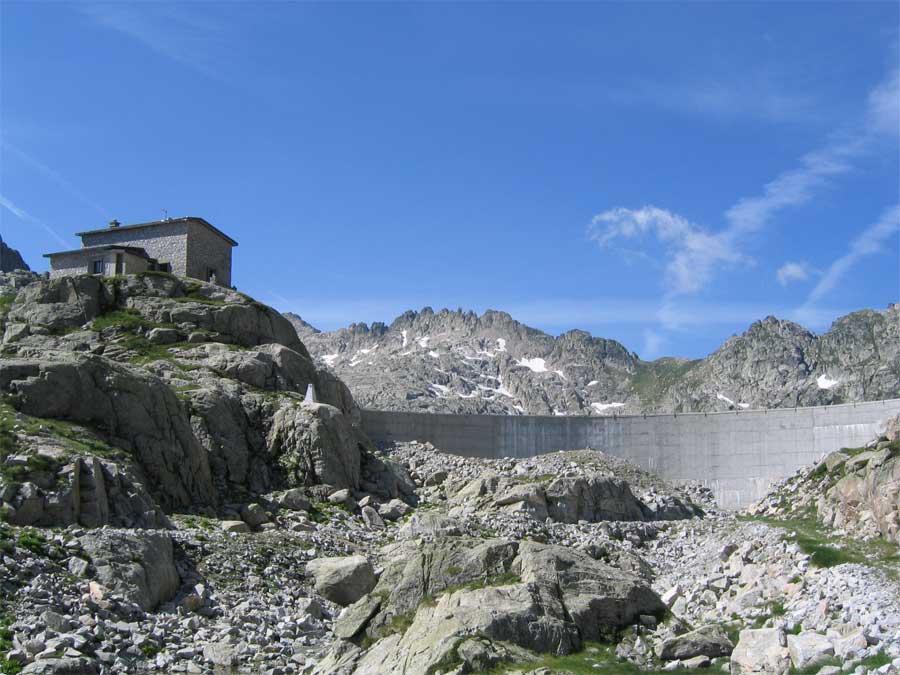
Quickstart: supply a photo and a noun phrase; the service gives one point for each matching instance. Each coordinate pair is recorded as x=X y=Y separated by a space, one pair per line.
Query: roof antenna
x=166 y=214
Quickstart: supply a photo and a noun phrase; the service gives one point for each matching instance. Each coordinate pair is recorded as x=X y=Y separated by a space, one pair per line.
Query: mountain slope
x=455 y=361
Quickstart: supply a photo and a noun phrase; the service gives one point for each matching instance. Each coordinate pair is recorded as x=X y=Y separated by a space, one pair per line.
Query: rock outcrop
x=191 y=393
x=469 y=604
x=855 y=490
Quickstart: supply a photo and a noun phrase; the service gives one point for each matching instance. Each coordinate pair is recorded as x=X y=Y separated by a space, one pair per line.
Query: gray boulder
x=708 y=641
x=136 y=564
x=760 y=651
x=343 y=580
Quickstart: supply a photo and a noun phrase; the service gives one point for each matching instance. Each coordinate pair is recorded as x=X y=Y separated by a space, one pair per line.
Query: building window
x=120 y=264
x=165 y=267
x=211 y=275
x=97 y=267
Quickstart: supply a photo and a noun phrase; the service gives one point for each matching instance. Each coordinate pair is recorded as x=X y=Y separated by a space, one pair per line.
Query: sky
x=660 y=174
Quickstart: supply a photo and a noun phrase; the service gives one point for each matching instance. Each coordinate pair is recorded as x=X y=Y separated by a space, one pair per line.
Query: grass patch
x=122 y=319
x=199 y=299
x=595 y=658
x=7 y=666
x=654 y=380
x=32 y=540
x=505 y=579
x=826 y=550
x=76 y=438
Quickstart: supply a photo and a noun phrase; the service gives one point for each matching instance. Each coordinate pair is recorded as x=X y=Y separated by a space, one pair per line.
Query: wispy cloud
x=184 y=32
x=693 y=253
x=792 y=271
x=884 y=106
x=872 y=240
x=28 y=219
x=759 y=96
x=54 y=176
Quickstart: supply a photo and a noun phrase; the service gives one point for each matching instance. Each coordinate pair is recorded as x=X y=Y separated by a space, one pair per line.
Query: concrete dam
x=737 y=454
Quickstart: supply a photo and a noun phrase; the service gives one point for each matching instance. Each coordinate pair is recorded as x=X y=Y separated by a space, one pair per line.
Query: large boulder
x=809 y=649
x=708 y=641
x=135 y=564
x=343 y=580
x=517 y=597
x=761 y=651
x=316 y=443
x=60 y=304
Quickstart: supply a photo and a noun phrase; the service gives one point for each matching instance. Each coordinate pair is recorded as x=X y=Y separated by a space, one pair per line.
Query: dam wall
x=737 y=454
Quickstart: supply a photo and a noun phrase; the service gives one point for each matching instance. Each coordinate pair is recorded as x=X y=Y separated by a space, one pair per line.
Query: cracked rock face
x=213 y=411
x=475 y=602
x=458 y=362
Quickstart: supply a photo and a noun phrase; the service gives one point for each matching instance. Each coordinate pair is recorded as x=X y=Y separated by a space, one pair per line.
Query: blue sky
x=661 y=174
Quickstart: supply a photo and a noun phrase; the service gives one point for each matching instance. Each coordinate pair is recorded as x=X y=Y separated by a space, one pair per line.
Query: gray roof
x=134 y=250
x=167 y=221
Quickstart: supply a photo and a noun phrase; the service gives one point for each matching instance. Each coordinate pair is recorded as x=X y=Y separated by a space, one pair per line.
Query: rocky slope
x=855 y=490
x=451 y=361
x=10 y=259
x=171 y=503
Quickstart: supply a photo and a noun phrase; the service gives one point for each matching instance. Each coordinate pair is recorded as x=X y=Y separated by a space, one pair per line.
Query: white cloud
x=760 y=96
x=872 y=240
x=693 y=254
x=792 y=271
x=884 y=106
x=27 y=218
x=184 y=32
x=792 y=188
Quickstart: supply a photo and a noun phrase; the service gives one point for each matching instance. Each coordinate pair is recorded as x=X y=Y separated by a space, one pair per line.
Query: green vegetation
x=595 y=658
x=121 y=319
x=504 y=579
x=32 y=540
x=6 y=303
x=150 y=649
x=200 y=300
x=75 y=438
x=7 y=667
x=827 y=550
x=654 y=380
x=871 y=662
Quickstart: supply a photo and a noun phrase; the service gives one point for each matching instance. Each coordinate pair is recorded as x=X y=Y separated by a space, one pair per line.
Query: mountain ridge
x=459 y=361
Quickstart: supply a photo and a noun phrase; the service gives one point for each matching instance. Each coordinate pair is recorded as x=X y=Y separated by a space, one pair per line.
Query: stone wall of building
x=168 y=243
x=207 y=250
x=73 y=264
x=69 y=265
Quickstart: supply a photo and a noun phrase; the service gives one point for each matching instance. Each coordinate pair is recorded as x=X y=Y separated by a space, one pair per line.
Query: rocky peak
x=456 y=361
x=10 y=259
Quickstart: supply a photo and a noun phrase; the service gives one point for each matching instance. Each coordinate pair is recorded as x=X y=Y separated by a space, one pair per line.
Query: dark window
x=120 y=264
x=98 y=267
x=211 y=274
x=164 y=267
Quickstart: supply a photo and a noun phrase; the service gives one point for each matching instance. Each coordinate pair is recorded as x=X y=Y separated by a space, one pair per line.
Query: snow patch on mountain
x=603 y=407
x=826 y=382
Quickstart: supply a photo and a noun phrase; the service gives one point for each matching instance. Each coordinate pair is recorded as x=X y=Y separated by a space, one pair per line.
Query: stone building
x=187 y=247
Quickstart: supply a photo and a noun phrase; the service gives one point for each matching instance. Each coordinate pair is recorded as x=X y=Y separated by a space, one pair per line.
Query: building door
x=120 y=264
